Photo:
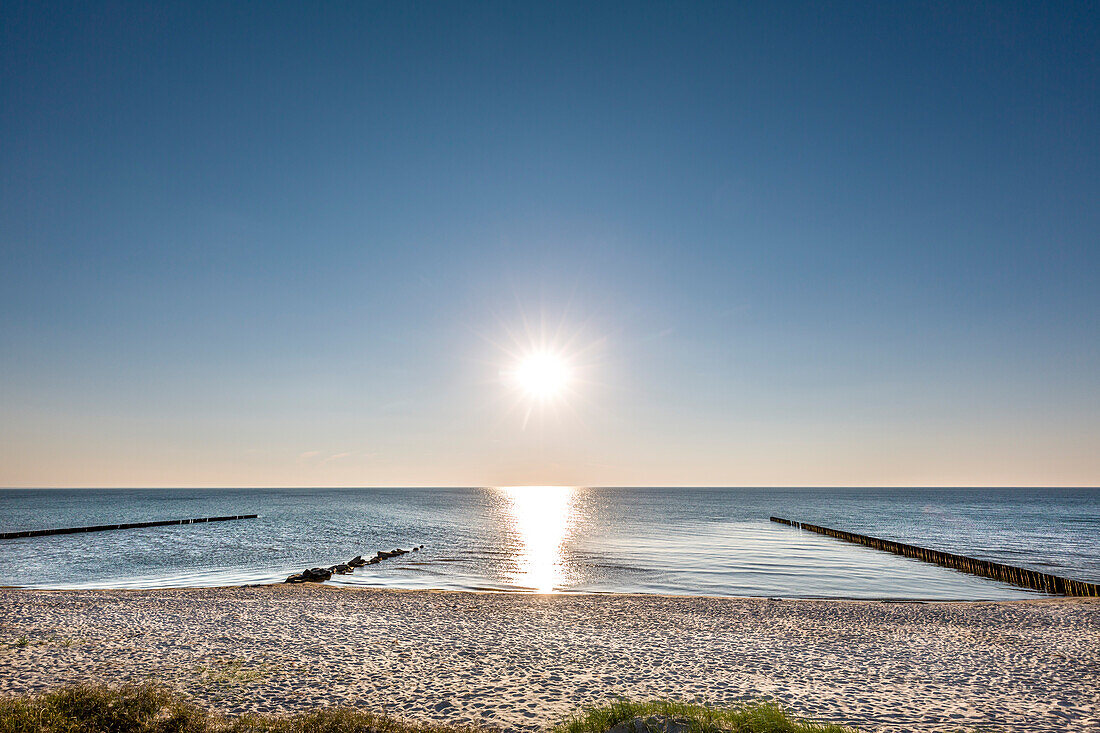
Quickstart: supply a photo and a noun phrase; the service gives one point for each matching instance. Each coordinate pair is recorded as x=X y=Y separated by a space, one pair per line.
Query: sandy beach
x=520 y=662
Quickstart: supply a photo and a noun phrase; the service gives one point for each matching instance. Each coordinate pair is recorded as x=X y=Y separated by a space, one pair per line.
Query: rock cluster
x=310 y=575
x=320 y=575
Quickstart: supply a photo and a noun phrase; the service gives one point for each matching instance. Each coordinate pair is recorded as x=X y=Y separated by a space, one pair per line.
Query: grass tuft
x=149 y=708
x=90 y=709
x=23 y=641
x=235 y=672
x=747 y=718
x=335 y=721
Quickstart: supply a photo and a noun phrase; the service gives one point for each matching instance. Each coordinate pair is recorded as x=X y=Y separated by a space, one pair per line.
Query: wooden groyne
x=1022 y=577
x=131 y=525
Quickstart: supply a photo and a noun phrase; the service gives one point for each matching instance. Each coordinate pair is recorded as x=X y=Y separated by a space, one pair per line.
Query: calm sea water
x=667 y=541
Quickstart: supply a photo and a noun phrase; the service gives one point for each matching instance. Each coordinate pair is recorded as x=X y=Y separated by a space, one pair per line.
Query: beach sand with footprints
x=522 y=661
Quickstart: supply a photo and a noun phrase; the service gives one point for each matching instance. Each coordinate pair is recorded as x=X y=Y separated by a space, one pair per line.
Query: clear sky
x=251 y=244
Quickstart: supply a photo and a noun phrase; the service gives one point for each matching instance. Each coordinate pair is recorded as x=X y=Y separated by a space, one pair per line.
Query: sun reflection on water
x=542 y=517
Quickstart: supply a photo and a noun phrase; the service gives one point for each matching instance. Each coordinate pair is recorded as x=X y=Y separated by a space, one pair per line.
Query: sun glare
x=546 y=370
x=542 y=518
x=542 y=375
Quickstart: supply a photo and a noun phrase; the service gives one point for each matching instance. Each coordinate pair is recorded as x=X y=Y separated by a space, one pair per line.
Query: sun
x=547 y=369
x=542 y=375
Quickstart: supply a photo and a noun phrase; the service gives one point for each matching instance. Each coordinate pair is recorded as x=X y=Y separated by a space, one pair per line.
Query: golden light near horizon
x=542 y=375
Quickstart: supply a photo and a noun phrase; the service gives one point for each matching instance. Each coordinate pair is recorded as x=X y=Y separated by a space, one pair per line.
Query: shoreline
x=1039 y=597
x=520 y=661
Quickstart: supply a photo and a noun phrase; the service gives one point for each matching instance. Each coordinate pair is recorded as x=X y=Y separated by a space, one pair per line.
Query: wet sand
x=521 y=662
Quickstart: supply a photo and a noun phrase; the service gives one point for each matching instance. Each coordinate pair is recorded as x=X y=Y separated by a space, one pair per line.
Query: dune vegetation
x=149 y=708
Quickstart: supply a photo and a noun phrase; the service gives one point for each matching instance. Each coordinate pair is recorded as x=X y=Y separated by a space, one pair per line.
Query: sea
x=552 y=539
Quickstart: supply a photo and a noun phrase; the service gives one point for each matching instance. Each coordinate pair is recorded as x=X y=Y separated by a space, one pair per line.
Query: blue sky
x=793 y=244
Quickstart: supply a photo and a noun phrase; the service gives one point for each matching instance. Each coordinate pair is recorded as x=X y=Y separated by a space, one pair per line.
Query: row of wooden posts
x=131 y=525
x=1005 y=573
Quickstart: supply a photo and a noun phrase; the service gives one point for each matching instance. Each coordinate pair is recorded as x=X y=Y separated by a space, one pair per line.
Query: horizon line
x=577 y=486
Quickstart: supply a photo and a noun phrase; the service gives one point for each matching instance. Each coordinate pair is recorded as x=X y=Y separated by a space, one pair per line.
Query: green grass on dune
x=152 y=709
x=749 y=718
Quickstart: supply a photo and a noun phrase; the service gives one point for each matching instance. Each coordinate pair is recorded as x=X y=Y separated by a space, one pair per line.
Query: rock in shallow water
x=319 y=575
x=312 y=575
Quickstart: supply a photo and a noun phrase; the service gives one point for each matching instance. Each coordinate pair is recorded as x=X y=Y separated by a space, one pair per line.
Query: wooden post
x=132 y=525
x=1032 y=579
